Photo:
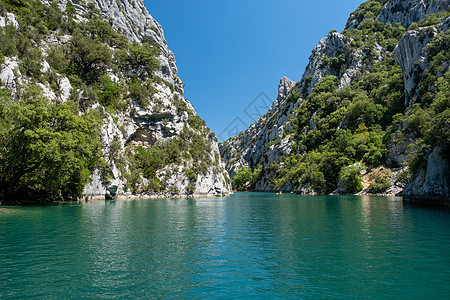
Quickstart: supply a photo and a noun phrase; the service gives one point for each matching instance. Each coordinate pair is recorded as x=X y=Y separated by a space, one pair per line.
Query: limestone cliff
x=251 y=148
x=298 y=128
x=411 y=55
x=142 y=107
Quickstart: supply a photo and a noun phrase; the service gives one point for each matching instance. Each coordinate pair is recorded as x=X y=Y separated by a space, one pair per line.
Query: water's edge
x=103 y=198
x=425 y=202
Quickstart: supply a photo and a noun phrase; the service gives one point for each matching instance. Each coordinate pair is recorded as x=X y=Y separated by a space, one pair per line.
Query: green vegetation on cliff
x=349 y=126
x=46 y=149
x=245 y=178
x=49 y=148
x=337 y=132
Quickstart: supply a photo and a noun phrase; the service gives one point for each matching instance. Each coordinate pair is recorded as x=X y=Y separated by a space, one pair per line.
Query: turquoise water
x=248 y=245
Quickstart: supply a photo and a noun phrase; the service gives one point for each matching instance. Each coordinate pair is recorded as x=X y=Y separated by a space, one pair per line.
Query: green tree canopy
x=242 y=179
x=143 y=57
x=46 y=149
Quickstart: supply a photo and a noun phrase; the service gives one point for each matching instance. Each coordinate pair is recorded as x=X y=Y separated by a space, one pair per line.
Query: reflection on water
x=248 y=244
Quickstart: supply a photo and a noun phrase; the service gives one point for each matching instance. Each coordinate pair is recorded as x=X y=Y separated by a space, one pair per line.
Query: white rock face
x=394 y=11
x=266 y=140
x=95 y=189
x=146 y=126
x=132 y=18
x=284 y=87
x=346 y=78
x=45 y=67
x=269 y=137
x=407 y=53
x=404 y=12
x=411 y=56
x=164 y=118
x=9 y=20
x=330 y=46
x=252 y=148
x=333 y=46
x=65 y=87
x=47 y=92
x=10 y=74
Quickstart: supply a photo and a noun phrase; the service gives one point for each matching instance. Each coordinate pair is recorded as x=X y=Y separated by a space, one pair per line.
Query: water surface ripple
x=246 y=245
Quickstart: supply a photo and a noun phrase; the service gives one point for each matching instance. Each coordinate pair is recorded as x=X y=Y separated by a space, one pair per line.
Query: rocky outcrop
x=8 y=20
x=408 y=12
x=271 y=136
x=410 y=54
x=10 y=75
x=132 y=18
x=146 y=126
x=403 y=12
x=432 y=183
x=346 y=56
x=330 y=46
x=166 y=117
x=284 y=87
x=252 y=147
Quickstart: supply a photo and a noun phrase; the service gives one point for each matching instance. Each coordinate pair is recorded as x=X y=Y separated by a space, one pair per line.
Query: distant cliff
x=108 y=59
x=367 y=114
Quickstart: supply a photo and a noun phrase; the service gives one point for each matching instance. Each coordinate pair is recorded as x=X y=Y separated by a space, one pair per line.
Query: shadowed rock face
x=431 y=185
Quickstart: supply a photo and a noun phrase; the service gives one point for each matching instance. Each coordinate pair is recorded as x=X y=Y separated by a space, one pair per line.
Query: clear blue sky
x=228 y=52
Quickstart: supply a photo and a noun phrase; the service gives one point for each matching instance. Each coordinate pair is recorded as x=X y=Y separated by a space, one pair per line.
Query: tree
x=313 y=178
x=47 y=150
x=102 y=31
x=363 y=110
x=89 y=56
x=143 y=57
x=109 y=93
x=350 y=179
x=438 y=130
x=242 y=179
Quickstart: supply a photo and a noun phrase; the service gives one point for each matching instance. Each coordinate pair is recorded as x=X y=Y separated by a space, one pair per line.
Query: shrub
x=150 y=160
x=143 y=57
x=103 y=32
x=90 y=57
x=57 y=59
x=402 y=178
x=381 y=182
x=191 y=175
x=70 y=9
x=190 y=189
x=242 y=179
x=140 y=93
x=109 y=93
x=313 y=177
x=196 y=122
x=31 y=63
x=369 y=9
x=364 y=111
x=350 y=179
x=257 y=174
